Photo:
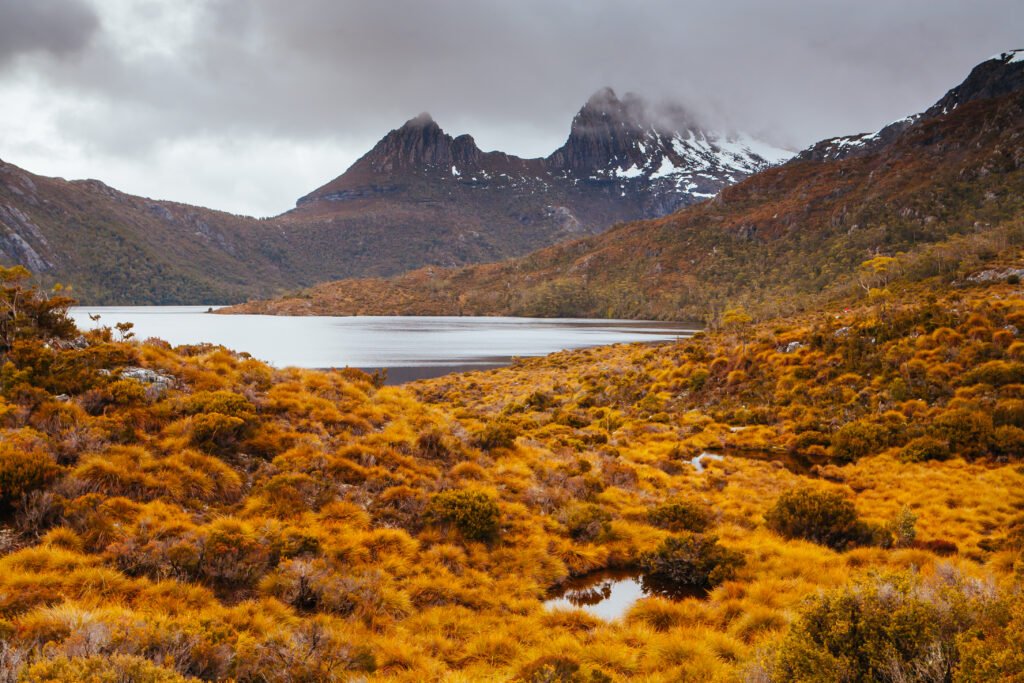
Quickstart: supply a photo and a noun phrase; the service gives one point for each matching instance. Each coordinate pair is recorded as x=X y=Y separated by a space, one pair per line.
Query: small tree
x=876 y=273
x=27 y=313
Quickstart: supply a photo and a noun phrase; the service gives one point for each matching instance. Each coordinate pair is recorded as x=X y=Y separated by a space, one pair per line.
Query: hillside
x=179 y=514
x=934 y=184
x=419 y=197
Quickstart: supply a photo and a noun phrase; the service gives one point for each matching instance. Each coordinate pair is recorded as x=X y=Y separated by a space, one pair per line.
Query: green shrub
x=692 y=560
x=882 y=630
x=681 y=515
x=824 y=517
x=855 y=440
x=924 y=448
x=473 y=513
x=969 y=432
x=1008 y=441
x=995 y=372
x=1009 y=413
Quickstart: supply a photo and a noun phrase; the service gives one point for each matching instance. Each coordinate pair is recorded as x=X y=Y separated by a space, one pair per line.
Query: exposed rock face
x=644 y=160
x=994 y=77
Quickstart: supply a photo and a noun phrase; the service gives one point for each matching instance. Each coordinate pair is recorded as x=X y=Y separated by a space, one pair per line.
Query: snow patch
x=667 y=168
x=631 y=172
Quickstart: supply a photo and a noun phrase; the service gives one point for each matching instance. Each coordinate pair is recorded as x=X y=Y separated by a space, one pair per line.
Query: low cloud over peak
x=126 y=87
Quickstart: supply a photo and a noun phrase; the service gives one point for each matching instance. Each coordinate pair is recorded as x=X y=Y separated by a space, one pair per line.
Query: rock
x=158 y=384
x=791 y=347
x=993 y=275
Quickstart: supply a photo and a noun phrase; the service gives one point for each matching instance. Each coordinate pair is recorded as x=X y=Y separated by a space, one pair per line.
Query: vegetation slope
x=191 y=513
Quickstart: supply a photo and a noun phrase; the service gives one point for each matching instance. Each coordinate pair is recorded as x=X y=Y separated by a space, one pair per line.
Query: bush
x=885 y=630
x=855 y=440
x=216 y=431
x=107 y=669
x=924 y=448
x=693 y=560
x=681 y=515
x=969 y=432
x=1008 y=441
x=496 y=434
x=995 y=372
x=586 y=522
x=824 y=517
x=473 y=513
x=1009 y=413
x=22 y=472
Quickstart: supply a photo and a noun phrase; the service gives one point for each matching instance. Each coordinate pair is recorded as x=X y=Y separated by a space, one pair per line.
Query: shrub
x=232 y=553
x=924 y=448
x=586 y=522
x=223 y=402
x=473 y=513
x=1008 y=441
x=875 y=631
x=969 y=432
x=1009 y=413
x=855 y=440
x=681 y=515
x=995 y=372
x=496 y=434
x=22 y=472
x=107 y=669
x=823 y=517
x=216 y=431
x=692 y=560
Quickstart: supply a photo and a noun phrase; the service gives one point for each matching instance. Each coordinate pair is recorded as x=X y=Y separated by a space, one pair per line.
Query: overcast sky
x=245 y=105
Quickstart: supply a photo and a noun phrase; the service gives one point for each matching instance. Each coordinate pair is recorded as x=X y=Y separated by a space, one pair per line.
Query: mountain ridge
x=950 y=180
x=420 y=197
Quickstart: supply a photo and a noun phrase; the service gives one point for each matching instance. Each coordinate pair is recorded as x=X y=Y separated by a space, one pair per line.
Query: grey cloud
x=513 y=73
x=55 y=27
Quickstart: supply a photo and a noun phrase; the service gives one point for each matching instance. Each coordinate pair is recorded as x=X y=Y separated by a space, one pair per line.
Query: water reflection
x=609 y=594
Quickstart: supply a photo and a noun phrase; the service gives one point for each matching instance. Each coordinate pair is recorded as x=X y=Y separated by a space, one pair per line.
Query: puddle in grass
x=794 y=463
x=609 y=594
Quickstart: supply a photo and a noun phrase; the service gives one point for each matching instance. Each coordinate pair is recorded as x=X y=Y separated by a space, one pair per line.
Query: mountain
x=117 y=248
x=944 y=188
x=419 y=198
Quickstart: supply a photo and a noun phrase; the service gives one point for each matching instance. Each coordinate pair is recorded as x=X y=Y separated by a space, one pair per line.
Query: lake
x=409 y=347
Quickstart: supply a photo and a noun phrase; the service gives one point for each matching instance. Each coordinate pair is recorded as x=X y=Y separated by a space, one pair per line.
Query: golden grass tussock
x=260 y=524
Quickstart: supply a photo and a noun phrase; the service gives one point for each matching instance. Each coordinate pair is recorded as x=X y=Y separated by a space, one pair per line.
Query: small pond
x=609 y=594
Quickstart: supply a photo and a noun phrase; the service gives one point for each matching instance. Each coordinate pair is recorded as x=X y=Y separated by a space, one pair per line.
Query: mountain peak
x=423 y=120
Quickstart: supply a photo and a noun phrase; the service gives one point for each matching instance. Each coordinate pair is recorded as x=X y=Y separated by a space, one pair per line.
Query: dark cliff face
x=603 y=135
x=1001 y=75
x=992 y=78
x=419 y=144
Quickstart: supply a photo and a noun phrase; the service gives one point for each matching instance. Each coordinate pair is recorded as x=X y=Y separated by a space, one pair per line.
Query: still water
x=409 y=347
x=609 y=594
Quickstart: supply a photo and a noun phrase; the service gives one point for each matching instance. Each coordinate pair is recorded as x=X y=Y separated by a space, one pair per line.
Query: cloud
x=336 y=75
x=54 y=27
